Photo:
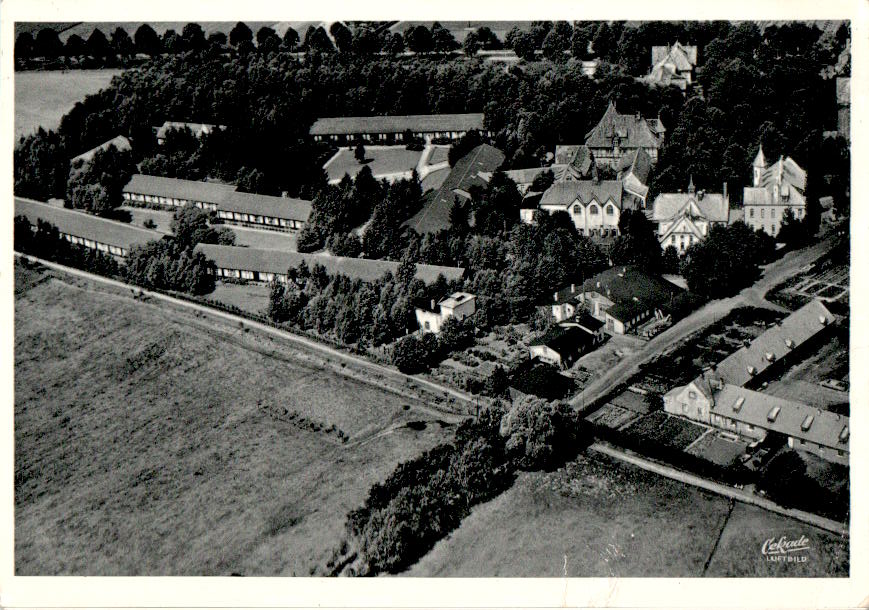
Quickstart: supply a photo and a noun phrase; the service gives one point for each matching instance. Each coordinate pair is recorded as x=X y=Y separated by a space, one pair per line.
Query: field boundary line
x=722 y=490
x=284 y=334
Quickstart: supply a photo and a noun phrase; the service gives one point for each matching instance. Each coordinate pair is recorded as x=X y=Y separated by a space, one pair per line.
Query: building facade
x=459 y=305
x=594 y=206
x=685 y=219
x=618 y=134
x=775 y=188
x=392 y=129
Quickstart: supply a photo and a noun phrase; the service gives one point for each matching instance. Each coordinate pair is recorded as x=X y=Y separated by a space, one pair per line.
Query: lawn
x=598 y=517
x=381 y=159
x=253 y=298
x=258 y=238
x=149 y=440
x=161 y=218
x=43 y=97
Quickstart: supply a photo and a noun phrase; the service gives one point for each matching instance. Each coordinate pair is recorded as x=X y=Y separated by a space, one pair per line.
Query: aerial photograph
x=432 y=298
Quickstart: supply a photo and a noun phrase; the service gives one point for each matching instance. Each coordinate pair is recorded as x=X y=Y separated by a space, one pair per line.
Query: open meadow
x=383 y=160
x=43 y=97
x=597 y=517
x=151 y=440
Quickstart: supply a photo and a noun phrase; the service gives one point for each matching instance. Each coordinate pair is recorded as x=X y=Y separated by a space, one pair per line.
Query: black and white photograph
x=563 y=298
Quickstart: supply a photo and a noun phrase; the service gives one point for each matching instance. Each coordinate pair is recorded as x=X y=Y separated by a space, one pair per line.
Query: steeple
x=691 y=189
x=758 y=166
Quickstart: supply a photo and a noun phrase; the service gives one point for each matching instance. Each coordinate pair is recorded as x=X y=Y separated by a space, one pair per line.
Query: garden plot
x=717 y=449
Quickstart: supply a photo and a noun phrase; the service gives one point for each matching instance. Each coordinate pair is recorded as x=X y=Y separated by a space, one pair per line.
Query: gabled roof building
x=673 y=65
x=684 y=219
x=617 y=134
x=387 y=129
x=121 y=143
x=775 y=188
x=594 y=206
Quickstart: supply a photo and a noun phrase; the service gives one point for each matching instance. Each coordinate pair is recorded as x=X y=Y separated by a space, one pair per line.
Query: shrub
x=541 y=434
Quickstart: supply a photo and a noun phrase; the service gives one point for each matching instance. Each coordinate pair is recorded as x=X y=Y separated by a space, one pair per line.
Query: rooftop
x=631 y=290
x=586 y=191
x=87 y=226
x=397 y=124
x=267 y=205
x=683 y=57
x=563 y=339
x=119 y=142
x=632 y=131
x=279 y=261
x=803 y=324
x=457 y=298
x=711 y=206
x=193 y=190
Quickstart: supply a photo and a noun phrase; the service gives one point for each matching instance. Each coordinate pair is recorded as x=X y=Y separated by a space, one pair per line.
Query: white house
x=594 y=206
x=459 y=305
x=686 y=218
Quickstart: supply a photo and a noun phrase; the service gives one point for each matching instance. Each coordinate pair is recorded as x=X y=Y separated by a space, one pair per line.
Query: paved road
x=308 y=343
x=735 y=494
x=754 y=295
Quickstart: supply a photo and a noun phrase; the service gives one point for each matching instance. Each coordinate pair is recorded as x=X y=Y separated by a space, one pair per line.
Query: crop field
x=598 y=517
x=382 y=160
x=42 y=98
x=150 y=440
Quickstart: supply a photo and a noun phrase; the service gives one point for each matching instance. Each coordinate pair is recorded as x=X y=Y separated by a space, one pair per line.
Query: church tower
x=758 y=166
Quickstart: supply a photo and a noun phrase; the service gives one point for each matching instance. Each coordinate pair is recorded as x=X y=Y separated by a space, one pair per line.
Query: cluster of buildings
x=232 y=206
x=723 y=396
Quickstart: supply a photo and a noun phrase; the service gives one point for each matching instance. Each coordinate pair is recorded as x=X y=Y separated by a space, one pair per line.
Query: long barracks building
x=231 y=205
x=388 y=129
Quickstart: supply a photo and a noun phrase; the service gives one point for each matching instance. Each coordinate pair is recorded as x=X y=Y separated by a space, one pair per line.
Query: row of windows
x=594 y=209
x=265 y=220
x=89 y=243
x=261 y=276
x=798 y=212
x=168 y=201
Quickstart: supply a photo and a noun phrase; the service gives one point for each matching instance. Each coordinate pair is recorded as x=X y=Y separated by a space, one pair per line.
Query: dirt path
x=739 y=495
x=754 y=296
x=325 y=350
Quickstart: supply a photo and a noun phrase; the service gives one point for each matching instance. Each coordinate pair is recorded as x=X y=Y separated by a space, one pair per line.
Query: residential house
x=684 y=219
x=626 y=297
x=261 y=265
x=633 y=170
x=198 y=129
x=561 y=346
x=108 y=236
x=594 y=206
x=673 y=65
x=775 y=188
x=753 y=415
x=617 y=134
x=121 y=143
x=459 y=305
x=391 y=129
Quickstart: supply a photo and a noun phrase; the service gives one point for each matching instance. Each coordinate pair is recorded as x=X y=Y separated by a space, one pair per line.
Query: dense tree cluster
x=97 y=185
x=415 y=354
x=423 y=500
x=637 y=243
x=46 y=243
x=727 y=260
x=41 y=166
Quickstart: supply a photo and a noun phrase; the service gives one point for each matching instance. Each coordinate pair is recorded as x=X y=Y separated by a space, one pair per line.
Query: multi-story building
x=775 y=188
x=617 y=134
x=686 y=218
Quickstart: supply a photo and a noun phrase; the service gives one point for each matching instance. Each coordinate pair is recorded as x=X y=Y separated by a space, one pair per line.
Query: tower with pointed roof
x=758 y=166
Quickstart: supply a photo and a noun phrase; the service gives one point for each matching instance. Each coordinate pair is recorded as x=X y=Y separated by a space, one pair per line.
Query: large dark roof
x=119 y=142
x=267 y=205
x=565 y=193
x=194 y=190
x=565 y=339
x=85 y=225
x=632 y=131
x=435 y=214
x=350 y=125
x=278 y=261
x=631 y=290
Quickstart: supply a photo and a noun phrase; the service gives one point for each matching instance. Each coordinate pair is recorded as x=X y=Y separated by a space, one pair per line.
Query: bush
x=541 y=434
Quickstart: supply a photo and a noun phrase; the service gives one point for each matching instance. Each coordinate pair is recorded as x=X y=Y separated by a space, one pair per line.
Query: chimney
x=433 y=305
x=555 y=296
x=724 y=192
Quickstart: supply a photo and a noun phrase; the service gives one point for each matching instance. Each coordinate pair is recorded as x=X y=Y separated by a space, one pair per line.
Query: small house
x=459 y=305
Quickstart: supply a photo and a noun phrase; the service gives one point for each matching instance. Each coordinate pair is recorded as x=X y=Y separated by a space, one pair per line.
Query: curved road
x=755 y=296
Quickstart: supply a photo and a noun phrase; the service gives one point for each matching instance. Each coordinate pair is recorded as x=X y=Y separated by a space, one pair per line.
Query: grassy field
x=151 y=441
x=42 y=98
x=249 y=297
x=601 y=518
x=382 y=160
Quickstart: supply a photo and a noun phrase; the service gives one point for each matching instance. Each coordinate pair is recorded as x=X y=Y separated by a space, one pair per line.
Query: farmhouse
x=264 y=211
x=198 y=129
x=776 y=346
x=175 y=192
x=750 y=414
x=119 y=142
x=775 y=188
x=673 y=65
x=459 y=305
x=391 y=129
x=686 y=218
x=617 y=134
x=109 y=236
x=594 y=206
x=259 y=265
x=625 y=297
x=561 y=346
x=464 y=175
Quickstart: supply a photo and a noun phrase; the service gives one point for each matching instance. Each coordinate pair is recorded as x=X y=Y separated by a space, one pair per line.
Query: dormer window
x=610 y=210
x=593 y=210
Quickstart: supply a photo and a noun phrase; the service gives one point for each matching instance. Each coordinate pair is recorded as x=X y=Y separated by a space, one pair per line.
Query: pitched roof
x=784 y=171
x=587 y=321
x=783 y=416
x=457 y=298
x=565 y=193
x=397 y=124
x=278 y=261
x=637 y=163
x=631 y=290
x=267 y=205
x=631 y=129
x=564 y=339
x=684 y=57
x=119 y=142
x=577 y=155
x=198 y=129
x=710 y=206
x=193 y=190
x=790 y=333
x=759 y=158
x=435 y=214
x=84 y=225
